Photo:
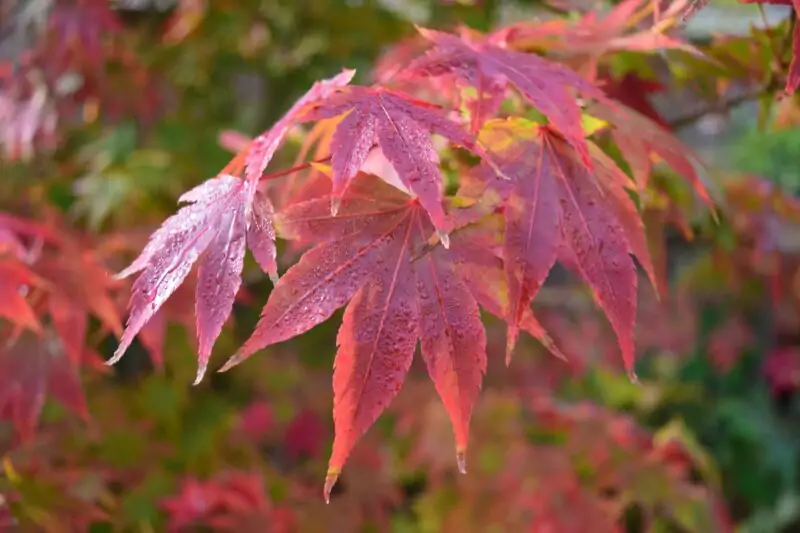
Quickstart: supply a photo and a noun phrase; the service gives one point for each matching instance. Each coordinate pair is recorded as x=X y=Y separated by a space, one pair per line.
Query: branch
x=752 y=94
x=721 y=107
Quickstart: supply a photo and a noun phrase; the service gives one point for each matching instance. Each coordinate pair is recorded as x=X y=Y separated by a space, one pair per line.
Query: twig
x=721 y=107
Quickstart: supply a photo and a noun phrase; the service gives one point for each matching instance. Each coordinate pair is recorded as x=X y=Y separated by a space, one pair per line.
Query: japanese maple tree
x=563 y=198
x=427 y=206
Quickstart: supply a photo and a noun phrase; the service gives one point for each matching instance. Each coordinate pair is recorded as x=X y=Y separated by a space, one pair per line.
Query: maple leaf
x=15 y=281
x=225 y=214
x=213 y=226
x=558 y=210
x=178 y=308
x=620 y=29
x=36 y=368
x=234 y=501
x=79 y=285
x=365 y=258
x=632 y=90
x=793 y=77
x=77 y=32
x=484 y=64
x=63 y=278
x=639 y=139
x=400 y=127
x=264 y=146
x=29 y=120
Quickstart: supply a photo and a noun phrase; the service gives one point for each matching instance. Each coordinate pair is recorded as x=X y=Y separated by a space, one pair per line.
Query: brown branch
x=721 y=107
x=753 y=94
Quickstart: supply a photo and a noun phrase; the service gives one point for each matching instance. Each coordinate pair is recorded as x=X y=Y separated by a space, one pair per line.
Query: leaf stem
x=298 y=168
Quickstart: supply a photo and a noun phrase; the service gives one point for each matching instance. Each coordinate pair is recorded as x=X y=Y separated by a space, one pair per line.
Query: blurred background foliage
x=711 y=437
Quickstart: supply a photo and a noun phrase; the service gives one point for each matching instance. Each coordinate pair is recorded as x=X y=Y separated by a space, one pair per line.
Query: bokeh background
x=157 y=103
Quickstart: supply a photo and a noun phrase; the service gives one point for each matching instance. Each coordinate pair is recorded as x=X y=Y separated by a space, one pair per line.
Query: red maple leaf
x=60 y=276
x=400 y=127
x=263 y=147
x=592 y=36
x=215 y=226
x=233 y=502
x=79 y=286
x=367 y=257
x=639 y=139
x=632 y=90
x=77 y=34
x=15 y=282
x=557 y=210
x=489 y=68
x=35 y=368
x=225 y=214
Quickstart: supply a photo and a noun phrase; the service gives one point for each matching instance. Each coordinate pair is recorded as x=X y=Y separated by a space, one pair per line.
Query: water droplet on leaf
x=444 y=238
x=336 y=202
x=461 y=461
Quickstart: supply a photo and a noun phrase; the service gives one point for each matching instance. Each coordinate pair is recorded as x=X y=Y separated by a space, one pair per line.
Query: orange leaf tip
x=330 y=480
x=235 y=359
x=444 y=238
x=461 y=461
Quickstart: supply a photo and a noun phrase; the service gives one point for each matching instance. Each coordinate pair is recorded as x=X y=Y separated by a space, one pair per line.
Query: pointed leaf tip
x=336 y=202
x=461 y=461
x=512 y=335
x=120 y=351
x=330 y=480
x=444 y=238
x=201 y=371
x=633 y=377
x=273 y=277
x=235 y=359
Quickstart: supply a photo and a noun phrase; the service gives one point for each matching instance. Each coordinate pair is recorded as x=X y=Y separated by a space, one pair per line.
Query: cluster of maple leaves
x=409 y=263
x=63 y=76
x=373 y=214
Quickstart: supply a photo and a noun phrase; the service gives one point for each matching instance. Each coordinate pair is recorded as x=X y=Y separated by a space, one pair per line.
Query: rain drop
x=336 y=202
x=444 y=238
x=461 y=461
